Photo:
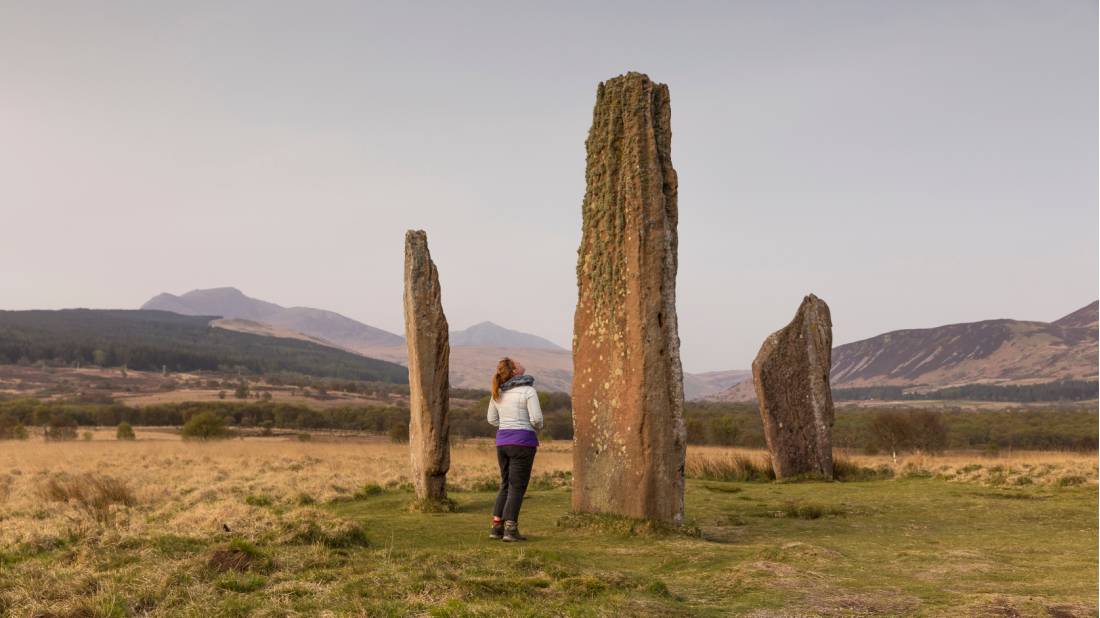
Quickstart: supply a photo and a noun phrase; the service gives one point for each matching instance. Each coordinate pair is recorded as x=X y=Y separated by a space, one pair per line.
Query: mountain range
x=231 y=303
x=1001 y=351
x=475 y=351
x=995 y=352
x=242 y=312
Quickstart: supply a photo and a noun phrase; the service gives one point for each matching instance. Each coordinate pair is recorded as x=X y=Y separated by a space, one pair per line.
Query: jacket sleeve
x=534 y=409
x=493 y=416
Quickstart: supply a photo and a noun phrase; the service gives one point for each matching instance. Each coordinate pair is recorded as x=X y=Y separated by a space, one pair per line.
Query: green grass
x=911 y=546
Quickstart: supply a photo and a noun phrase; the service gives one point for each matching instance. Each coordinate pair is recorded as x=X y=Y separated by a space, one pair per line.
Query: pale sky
x=912 y=163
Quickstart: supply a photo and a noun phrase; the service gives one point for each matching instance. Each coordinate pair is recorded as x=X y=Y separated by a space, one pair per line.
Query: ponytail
x=505 y=370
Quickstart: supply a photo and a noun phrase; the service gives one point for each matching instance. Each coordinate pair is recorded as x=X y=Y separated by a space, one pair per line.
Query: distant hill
x=1085 y=317
x=341 y=331
x=474 y=350
x=232 y=303
x=990 y=352
x=996 y=351
x=472 y=366
x=148 y=340
x=487 y=334
x=702 y=385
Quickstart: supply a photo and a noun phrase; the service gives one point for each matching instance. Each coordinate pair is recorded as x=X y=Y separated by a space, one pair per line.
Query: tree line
x=723 y=424
x=152 y=340
x=1061 y=390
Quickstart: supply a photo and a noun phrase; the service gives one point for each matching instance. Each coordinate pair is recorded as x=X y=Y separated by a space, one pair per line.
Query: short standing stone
x=628 y=394
x=426 y=334
x=791 y=376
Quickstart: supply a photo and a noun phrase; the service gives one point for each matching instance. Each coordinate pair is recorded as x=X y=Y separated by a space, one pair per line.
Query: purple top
x=517 y=437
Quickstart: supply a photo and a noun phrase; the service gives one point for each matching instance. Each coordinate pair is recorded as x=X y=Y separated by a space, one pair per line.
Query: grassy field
x=272 y=527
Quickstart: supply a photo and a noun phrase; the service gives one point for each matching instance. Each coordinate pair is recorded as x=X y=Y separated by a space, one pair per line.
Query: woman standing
x=514 y=410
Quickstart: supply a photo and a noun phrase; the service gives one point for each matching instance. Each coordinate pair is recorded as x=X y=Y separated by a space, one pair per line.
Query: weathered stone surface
x=426 y=335
x=628 y=394
x=791 y=376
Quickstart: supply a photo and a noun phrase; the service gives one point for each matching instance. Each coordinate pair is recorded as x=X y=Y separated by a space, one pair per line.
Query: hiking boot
x=496 y=532
x=511 y=532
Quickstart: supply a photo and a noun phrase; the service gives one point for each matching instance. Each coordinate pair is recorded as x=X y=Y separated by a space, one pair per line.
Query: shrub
x=205 y=426
x=92 y=494
x=399 y=433
x=125 y=431
x=87 y=435
x=11 y=428
x=896 y=431
x=241 y=392
x=1071 y=481
x=59 y=428
x=370 y=489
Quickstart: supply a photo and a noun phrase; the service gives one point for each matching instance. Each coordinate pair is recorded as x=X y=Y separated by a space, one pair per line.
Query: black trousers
x=515 y=472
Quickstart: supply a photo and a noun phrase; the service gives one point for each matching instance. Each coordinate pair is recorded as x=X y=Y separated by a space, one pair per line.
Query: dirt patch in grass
x=239 y=556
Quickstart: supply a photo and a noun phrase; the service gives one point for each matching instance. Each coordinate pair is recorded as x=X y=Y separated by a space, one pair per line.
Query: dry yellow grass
x=1010 y=468
x=80 y=543
x=190 y=487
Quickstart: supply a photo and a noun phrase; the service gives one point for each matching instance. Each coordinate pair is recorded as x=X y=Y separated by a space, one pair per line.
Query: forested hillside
x=150 y=340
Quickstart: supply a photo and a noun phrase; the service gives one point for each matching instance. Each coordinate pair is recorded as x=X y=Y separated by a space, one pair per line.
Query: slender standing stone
x=628 y=394
x=791 y=376
x=426 y=335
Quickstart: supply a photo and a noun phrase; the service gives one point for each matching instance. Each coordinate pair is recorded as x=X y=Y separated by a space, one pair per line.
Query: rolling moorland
x=912 y=362
x=981 y=361
x=280 y=526
x=290 y=495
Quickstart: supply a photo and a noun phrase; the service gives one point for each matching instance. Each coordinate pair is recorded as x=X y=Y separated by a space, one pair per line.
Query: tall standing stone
x=628 y=393
x=791 y=376
x=426 y=335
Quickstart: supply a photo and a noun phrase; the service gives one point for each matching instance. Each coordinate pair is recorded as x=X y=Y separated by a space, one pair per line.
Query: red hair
x=506 y=368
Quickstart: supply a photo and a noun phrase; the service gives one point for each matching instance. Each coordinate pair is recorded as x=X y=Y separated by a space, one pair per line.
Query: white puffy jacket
x=518 y=408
